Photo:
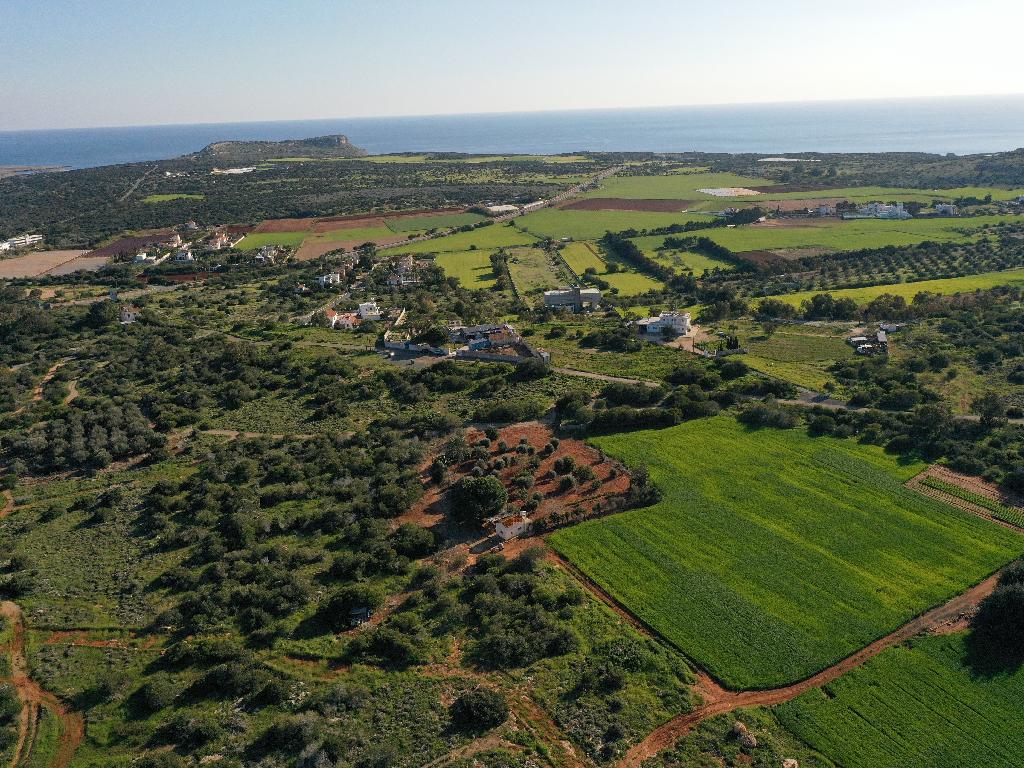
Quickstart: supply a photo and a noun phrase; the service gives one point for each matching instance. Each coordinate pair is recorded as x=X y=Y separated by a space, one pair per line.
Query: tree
x=480 y=710
x=102 y=314
x=477 y=498
x=991 y=408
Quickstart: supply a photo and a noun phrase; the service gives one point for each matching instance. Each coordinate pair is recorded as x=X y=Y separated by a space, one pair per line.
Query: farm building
x=512 y=526
x=184 y=256
x=23 y=241
x=496 y=343
x=574 y=296
x=501 y=210
x=676 y=323
x=879 y=211
x=129 y=313
x=359 y=615
x=331 y=278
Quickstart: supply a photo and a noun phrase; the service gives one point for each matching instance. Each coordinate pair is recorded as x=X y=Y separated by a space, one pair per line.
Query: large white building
x=23 y=241
x=574 y=296
x=676 y=322
x=883 y=211
x=369 y=311
x=332 y=278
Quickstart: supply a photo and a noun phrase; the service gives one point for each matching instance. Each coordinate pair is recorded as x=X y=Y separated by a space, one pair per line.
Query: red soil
x=335 y=224
x=622 y=204
x=284 y=225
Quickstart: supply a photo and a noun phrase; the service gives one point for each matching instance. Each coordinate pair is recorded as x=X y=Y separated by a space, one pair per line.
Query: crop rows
x=999 y=511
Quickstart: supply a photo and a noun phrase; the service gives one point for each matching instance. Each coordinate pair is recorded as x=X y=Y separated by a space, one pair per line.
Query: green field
x=531 y=271
x=871 y=194
x=257 y=240
x=914 y=706
x=591 y=225
x=680 y=261
x=680 y=186
x=581 y=256
x=632 y=283
x=472 y=268
x=840 y=235
x=357 y=234
x=945 y=287
x=166 y=198
x=800 y=354
x=494 y=236
x=773 y=554
x=440 y=221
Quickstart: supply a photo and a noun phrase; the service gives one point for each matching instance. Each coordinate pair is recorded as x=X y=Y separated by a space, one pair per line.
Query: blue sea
x=966 y=125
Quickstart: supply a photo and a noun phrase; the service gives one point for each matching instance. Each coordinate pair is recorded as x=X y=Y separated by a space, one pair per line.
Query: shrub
x=480 y=710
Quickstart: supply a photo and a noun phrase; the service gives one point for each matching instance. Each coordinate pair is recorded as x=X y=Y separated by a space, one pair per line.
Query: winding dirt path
x=34 y=699
x=717 y=700
x=8 y=504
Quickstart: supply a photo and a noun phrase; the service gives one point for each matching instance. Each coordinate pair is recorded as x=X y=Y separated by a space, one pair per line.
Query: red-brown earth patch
x=284 y=225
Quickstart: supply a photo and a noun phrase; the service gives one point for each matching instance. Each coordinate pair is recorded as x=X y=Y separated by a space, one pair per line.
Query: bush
x=474 y=499
x=480 y=710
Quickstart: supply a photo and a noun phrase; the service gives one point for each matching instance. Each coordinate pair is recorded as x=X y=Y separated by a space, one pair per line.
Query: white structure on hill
x=512 y=526
x=883 y=211
x=129 y=313
x=23 y=241
x=331 y=278
x=677 y=323
x=947 y=209
x=369 y=311
x=574 y=296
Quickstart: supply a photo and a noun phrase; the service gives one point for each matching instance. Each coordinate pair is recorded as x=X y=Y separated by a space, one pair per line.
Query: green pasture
x=872 y=194
x=439 y=221
x=680 y=261
x=166 y=198
x=581 y=256
x=257 y=240
x=945 y=287
x=472 y=268
x=799 y=354
x=675 y=186
x=494 y=236
x=773 y=554
x=531 y=270
x=591 y=225
x=357 y=234
x=632 y=283
x=914 y=706
x=853 y=234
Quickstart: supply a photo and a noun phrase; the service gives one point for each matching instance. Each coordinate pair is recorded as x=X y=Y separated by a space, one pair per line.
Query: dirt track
x=718 y=701
x=34 y=698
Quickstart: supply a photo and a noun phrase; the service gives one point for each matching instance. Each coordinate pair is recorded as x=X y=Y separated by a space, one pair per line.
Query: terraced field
x=914 y=707
x=773 y=554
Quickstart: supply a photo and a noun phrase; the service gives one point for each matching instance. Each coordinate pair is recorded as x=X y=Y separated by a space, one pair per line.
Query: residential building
x=332 y=278
x=129 y=313
x=369 y=311
x=676 y=323
x=574 y=296
x=23 y=241
x=342 y=321
x=880 y=211
x=501 y=210
x=947 y=209
x=143 y=257
x=218 y=242
x=495 y=343
x=5 y=246
x=184 y=256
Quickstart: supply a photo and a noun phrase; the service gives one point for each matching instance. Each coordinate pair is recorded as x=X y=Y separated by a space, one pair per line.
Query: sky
x=86 y=63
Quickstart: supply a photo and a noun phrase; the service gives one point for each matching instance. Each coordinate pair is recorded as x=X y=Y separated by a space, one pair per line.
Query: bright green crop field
x=259 y=239
x=166 y=198
x=944 y=287
x=680 y=261
x=773 y=554
x=591 y=225
x=679 y=186
x=494 y=236
x=632 y=283
x=914 y=706
x=580 y=257
x=472 y=268
x=440 y=221
x=839 y=235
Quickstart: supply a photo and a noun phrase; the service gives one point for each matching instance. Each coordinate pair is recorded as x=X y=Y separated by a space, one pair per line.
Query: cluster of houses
x=880 y=211
x=368 y=311
x=573 y=297
x=404 y=272
x=875 y=344
x=494 y=343
x=20 y=241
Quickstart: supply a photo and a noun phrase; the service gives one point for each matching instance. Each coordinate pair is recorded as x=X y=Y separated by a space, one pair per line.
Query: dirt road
x=718 y=701
x=8 y=504
x=34 y=698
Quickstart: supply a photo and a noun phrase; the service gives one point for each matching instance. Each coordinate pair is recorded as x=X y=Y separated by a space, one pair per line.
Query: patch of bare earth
x=968 y=483
x=36 y=263
x=284 y=225
x=661 y=205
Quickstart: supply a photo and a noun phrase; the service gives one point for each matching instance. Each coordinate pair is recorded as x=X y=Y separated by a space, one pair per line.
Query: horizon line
x=862 y=100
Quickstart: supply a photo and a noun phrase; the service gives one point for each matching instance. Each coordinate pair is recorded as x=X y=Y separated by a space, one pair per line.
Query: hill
x=256 y=151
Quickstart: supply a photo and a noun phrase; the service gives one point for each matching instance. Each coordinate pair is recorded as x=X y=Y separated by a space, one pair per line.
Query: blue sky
x=72 y=63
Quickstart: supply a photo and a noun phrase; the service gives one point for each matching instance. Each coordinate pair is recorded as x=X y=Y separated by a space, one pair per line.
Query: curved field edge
x=774 y=555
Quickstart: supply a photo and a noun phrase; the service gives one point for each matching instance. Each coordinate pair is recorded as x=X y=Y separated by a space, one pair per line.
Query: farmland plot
x=914 y=707
x=591 y=225
x=772 y=554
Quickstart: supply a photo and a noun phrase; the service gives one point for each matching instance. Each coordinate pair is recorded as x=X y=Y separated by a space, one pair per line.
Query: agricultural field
x=532 y=270
x=945 y=287
x=800 y=354
x=472 y=268
x=256 y=240
x=914 y=706
x=590 y=225
x=628 y=282
x=681 y=186
x=856 y=234
x=862 y=195
x=582 y=256
x=172 y=196
x=631 y=283
x=680 y=261
x=494 y=236
x=773 y=554
x=440 y=221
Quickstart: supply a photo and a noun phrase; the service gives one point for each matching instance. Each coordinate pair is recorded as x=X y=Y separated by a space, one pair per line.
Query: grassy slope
x=914 y=707
x=169 y=197
x=255 y=241
x=794 y=354
x=774 y=554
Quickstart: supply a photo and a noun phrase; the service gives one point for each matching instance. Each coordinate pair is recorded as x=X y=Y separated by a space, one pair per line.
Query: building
x=534 y=206
x=129 y=313
x=574 y=296
x=822 y=210
x=219 y=242
x=142 y=257
x=332 y=278
x=676 y=323
x=494 y=343
x=946 y=209
x=359 y=615
x=879 y=211
x=184 y=256
x=23 y=241
x=5 y=246
x=369 y=311
x=501 y=210
x=342 y=321
x=512 y=526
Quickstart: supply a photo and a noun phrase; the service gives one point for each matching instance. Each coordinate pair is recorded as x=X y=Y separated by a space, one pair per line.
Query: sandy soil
x=36 y=263
x=81 y=264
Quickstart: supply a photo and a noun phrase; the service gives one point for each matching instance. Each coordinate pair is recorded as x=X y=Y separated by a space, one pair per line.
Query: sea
x=967 y=125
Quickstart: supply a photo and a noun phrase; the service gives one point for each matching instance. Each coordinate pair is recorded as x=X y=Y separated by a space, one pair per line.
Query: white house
x=184 y=256
x=369 y=311
x=883 y=211
x=5 y=246
x=512 y=526
x=129 y=313
x=677 y=322
x=332 y=278
x=947 y=209
x=23 y=241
